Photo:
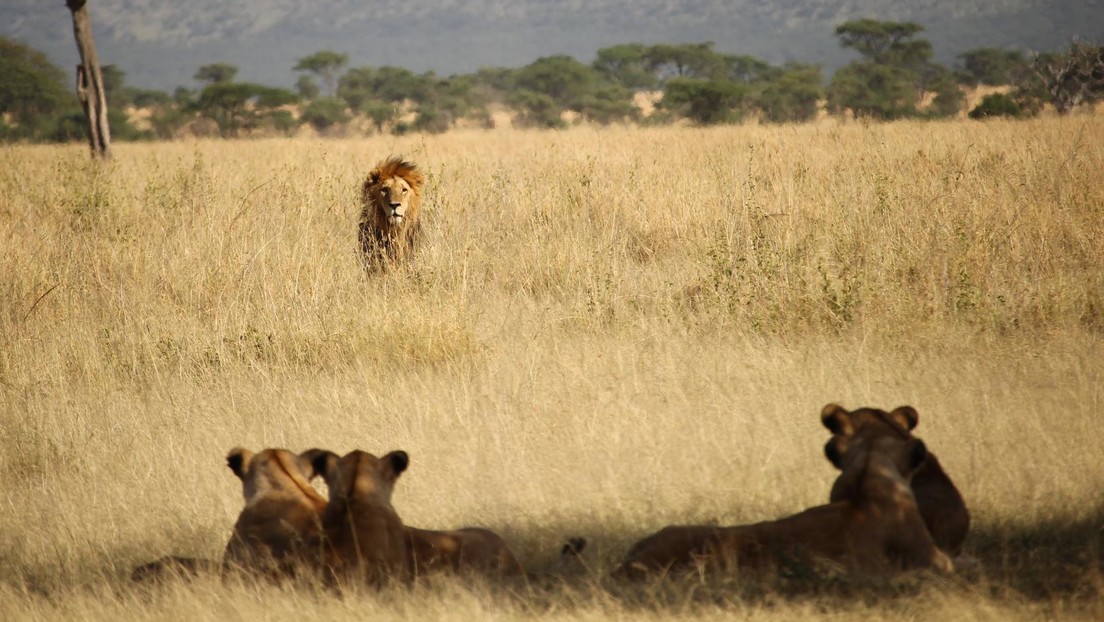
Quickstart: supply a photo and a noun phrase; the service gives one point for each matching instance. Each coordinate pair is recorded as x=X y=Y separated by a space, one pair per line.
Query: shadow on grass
x=1056 y=561
x=1060 y=559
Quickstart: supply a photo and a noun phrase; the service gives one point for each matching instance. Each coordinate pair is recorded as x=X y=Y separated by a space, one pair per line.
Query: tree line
x=894 y=77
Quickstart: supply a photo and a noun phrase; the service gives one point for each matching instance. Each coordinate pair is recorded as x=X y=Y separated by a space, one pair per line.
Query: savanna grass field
x=605 y=331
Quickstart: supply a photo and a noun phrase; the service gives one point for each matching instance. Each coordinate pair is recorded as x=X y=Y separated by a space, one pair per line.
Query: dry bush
x=606 y=331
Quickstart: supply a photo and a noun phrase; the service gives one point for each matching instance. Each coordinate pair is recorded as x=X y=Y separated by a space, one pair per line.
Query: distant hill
x=160 y=44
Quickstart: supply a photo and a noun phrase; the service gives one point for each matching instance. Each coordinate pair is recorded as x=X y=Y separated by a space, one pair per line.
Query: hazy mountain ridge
x=160 y=44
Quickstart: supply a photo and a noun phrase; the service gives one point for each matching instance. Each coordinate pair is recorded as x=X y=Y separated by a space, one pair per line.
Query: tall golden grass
x=605 y=331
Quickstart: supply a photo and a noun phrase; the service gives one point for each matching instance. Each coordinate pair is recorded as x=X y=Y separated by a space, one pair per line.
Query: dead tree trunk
x=90 y=85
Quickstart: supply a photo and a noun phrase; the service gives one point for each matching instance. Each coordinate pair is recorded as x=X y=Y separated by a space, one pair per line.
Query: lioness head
x=392 y=190
x=359 y=475
x=907 y=455
x=941 y=505
x=282 y=513
x=272 y=471
x=865 y=425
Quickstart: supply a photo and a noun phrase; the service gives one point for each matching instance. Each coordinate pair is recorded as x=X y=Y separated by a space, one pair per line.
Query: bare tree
x=1072 y=78
x=90 y=83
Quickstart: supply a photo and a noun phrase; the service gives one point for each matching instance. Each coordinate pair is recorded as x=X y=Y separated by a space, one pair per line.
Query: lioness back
x=364 y=537
x=277 y=530
x=471 y=549
x=876 y=527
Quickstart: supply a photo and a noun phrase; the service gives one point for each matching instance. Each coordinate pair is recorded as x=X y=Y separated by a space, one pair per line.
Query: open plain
x=605 y=331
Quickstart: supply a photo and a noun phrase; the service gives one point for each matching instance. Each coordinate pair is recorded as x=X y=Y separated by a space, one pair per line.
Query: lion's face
x=393 y=197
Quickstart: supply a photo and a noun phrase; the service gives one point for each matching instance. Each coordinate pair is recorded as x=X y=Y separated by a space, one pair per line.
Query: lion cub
x=364 y=536
x=875 y=527
x=278 y=530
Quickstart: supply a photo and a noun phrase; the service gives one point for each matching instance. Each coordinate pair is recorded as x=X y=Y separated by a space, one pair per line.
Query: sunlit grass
x=605 y=331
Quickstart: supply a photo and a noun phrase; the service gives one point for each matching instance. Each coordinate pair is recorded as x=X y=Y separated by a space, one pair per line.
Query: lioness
x=278 y=530
x=364 y=536
x=942 y=507
x=876 y=527
x=391 y=200
x=470 y=549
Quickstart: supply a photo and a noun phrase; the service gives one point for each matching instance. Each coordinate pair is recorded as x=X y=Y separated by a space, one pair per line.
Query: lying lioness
x=941 y=505
x=278 y=531
x=876 y=527
x=471 y=549
x=364 y=536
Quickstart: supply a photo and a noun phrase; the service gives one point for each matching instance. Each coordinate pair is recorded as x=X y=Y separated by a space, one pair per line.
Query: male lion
x=940 y=503
x=875 y=528
x=391 y=198
x=364 y=536
x=277 y=532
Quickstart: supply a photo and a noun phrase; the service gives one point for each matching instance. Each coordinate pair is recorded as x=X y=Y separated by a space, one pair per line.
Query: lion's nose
x=395 y=207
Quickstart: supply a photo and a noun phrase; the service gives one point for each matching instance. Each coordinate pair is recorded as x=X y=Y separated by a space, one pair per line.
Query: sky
x=160 y=44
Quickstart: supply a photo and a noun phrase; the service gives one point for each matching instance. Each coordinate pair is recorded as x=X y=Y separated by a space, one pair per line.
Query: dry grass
x=605 y=332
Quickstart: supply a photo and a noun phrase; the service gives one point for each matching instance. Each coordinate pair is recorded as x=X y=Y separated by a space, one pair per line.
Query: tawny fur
x=393 y=187
x=876 y=528
x=364 y=536
x=941 y=505
x=278 y=530
x=468 y=550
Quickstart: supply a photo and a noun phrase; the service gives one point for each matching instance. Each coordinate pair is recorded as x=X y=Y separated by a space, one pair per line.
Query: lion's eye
x=404 y=190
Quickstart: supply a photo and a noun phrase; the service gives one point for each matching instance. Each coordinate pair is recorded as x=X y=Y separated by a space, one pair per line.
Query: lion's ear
x=834 y=417
x=312 y=462
x=833 y=450
x=322 y=463
x=905 y=416
x=238 y=460
x=918 y=452
x=394 y=464
x=373 y=178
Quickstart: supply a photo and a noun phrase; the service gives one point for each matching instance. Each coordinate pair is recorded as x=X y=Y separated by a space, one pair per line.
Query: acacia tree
x=626 y=65
x=894 y=62
x=878 y=41
x=90 y=84
x=32 y=91
x=990 y=66
x=324 y=64
x=216 y=73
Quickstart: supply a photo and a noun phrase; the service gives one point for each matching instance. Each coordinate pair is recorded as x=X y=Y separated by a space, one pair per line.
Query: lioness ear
x=906 y=416
x=310 y=460
x=238 y=460
x=395 y=463
x=834 y=452
x=322 y=463
x=917 y=454
x=834 y=417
